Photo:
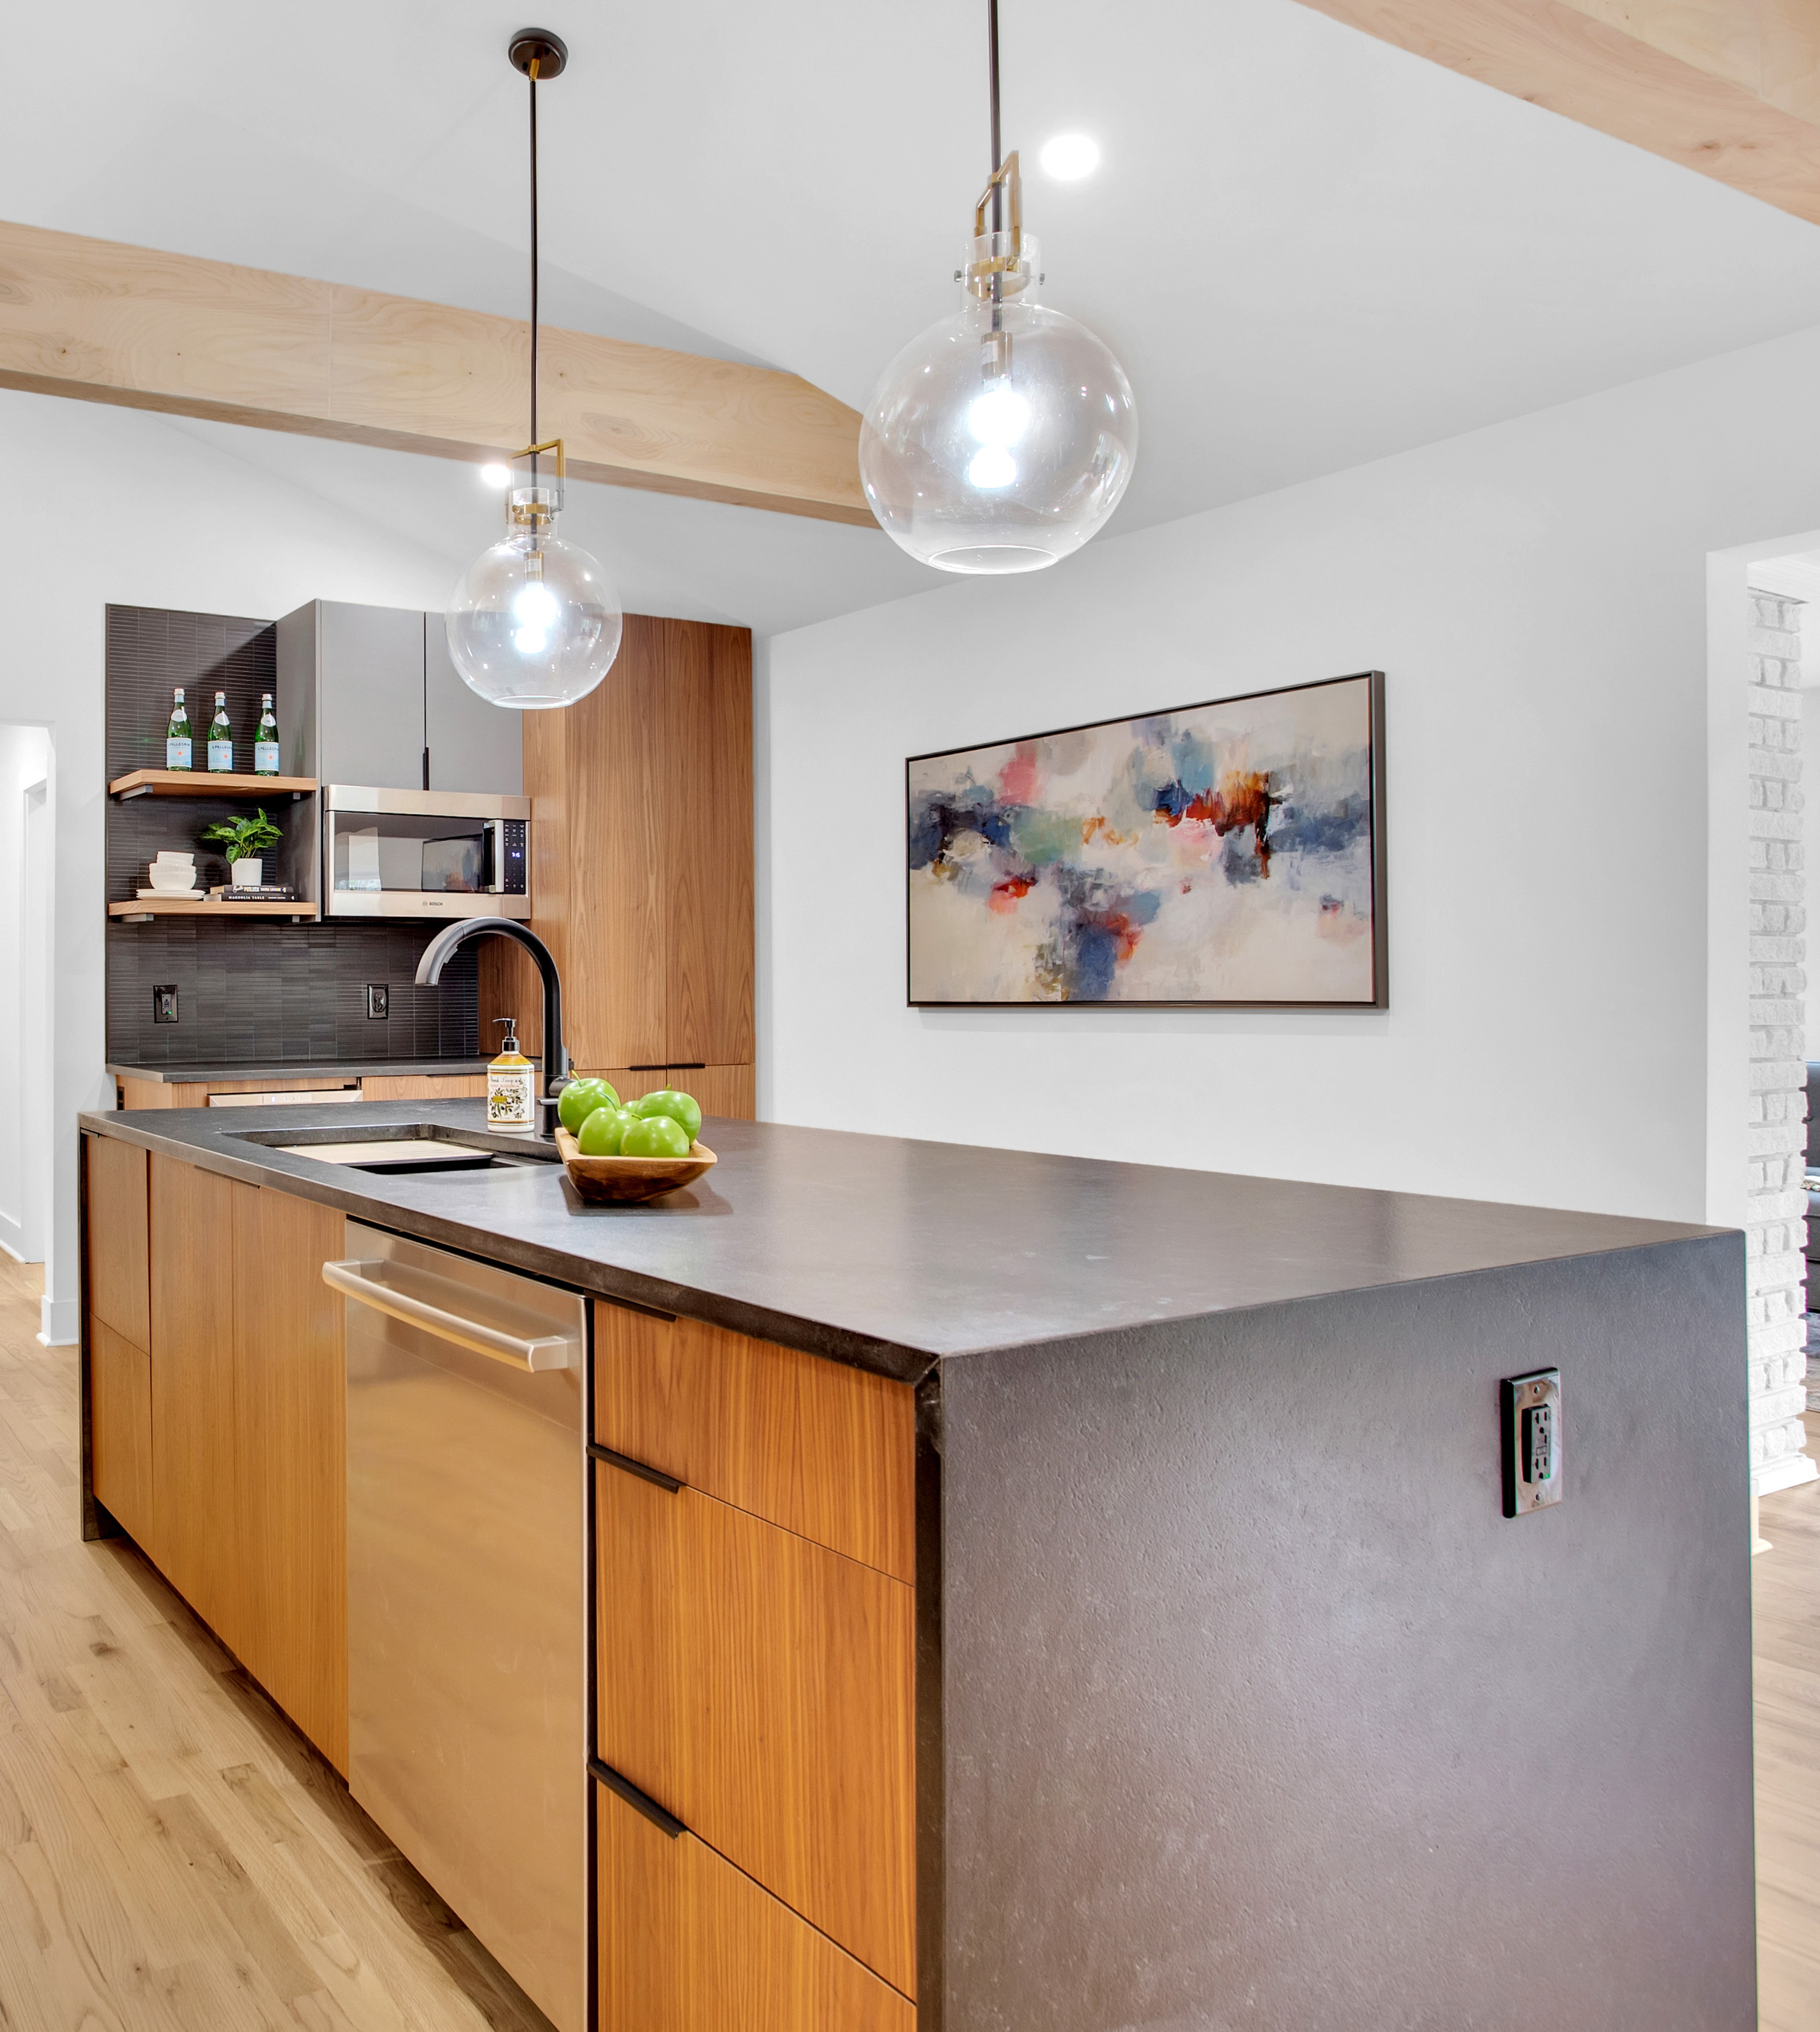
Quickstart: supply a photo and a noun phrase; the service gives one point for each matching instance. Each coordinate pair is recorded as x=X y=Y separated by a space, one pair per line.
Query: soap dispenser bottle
x=508 y=1083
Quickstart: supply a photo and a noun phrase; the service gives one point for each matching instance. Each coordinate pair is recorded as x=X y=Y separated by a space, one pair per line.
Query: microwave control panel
x=511 y=857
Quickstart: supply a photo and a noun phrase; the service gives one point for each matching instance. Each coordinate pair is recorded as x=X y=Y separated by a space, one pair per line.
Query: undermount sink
x=409 y=1148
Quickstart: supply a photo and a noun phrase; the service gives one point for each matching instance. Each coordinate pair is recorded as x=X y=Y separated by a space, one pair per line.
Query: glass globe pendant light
x=533 y=623
x=1000 y=439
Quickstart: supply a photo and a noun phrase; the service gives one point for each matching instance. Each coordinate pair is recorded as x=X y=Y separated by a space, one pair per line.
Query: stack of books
x=263 y=892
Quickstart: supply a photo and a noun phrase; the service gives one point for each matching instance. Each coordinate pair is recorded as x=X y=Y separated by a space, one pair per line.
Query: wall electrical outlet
x=164 y=1005
x=1532 y=1461
x=379 y=996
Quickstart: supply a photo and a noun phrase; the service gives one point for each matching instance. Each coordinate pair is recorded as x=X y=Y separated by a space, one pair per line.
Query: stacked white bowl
x=172 y=873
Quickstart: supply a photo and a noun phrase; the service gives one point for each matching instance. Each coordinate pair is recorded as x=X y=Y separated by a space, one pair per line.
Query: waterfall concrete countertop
x=1238 y=1701
x=894 y=1254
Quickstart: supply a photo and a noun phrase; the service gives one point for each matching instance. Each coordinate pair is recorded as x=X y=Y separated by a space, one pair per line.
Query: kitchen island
x=1031 y=1592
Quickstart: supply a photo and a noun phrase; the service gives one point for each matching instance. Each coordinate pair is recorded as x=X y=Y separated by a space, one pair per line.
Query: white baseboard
x=1789 y=1471
x=57 y=1323
x=12 y=1239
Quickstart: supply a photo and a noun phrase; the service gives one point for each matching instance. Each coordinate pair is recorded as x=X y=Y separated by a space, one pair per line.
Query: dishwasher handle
x=546 y=1351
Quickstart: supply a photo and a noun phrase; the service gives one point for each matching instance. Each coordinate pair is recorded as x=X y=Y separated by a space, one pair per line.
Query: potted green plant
x=243 y=841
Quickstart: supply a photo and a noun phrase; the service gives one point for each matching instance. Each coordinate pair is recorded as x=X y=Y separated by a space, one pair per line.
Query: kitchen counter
x=279 y=1069
x=891 y=1254
x=1122 y=1629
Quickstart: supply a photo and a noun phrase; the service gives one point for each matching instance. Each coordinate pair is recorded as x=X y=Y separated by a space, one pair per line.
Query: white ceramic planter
x=246 y=873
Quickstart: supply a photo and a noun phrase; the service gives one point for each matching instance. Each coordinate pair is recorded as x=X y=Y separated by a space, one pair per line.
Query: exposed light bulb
x=1067 y=158
x=991 y=466
x=536 y=613
x=496 y=476
x=998 y=417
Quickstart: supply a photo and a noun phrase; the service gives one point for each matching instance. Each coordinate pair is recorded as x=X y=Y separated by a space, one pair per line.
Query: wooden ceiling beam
x=1729 y=88
x=106 y=322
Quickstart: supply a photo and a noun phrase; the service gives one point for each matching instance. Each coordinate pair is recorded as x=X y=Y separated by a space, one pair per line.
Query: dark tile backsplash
x=250 y=989
x=287 y=993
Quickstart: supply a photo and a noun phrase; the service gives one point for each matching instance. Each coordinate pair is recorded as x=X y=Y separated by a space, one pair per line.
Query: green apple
x=600 y=1135
x=655 y=1136
x=682 y=1108
x=581 y=1098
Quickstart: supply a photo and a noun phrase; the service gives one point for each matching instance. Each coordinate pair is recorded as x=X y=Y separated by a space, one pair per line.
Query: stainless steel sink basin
x=409 y=1149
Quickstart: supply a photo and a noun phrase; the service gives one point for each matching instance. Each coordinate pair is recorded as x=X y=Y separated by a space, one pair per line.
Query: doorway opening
x=26 y=865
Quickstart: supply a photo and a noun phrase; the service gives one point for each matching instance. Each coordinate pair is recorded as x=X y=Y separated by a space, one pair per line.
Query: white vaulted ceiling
x=1309 y=248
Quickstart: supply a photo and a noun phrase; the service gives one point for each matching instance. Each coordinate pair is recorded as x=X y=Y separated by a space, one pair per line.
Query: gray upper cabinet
x=367 y=695
x=473 y=745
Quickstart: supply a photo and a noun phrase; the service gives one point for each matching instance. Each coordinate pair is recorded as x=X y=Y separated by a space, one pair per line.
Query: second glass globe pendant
x=533 y=623
x=1001 y=440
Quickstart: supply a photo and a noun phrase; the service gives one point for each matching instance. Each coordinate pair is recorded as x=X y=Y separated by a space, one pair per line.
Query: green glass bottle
x=266 y=741
x=220 y=738
x=177 y=742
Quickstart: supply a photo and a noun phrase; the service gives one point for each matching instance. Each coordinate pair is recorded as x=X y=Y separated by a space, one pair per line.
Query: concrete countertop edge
x=899 y=1361
x=596 y=1279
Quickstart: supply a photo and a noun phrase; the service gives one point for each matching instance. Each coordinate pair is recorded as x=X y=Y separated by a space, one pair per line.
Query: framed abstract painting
x=1229 y=855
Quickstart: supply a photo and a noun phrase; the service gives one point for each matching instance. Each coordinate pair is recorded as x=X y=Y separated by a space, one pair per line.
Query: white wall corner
x=1728 y=885
x=58 y=1325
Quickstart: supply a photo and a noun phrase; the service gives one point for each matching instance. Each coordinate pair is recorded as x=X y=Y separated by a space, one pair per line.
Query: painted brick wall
x=1775 y=1218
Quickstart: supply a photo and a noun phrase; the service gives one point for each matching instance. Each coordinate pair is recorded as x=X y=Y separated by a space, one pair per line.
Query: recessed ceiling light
x=1070 y=157
x=496 y=476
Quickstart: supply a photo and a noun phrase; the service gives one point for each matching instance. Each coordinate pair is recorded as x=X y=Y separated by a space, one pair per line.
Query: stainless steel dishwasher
x=466 y=1595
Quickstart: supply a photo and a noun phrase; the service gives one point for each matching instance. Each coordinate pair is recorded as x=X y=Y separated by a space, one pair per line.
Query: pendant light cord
x=532 y=74
x=992 y=85
x=997 y=189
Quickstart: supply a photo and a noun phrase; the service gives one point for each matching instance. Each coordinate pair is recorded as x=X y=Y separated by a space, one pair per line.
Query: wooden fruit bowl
x=631 y=1178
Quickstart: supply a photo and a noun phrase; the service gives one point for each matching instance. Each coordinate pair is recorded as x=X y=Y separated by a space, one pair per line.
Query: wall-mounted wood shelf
x=205 y=783
x=186 y=907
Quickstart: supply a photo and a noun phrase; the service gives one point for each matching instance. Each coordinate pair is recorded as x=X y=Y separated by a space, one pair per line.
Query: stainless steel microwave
x=424 y=854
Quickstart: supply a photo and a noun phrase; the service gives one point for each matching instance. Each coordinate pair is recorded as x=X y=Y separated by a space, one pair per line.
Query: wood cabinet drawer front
x=761 y=1688
x=120 y=1379
x=119 y=1267
x=824 y=1450
x=688 y=1943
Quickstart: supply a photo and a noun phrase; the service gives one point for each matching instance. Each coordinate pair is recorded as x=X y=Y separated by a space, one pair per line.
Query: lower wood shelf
x=190 y=906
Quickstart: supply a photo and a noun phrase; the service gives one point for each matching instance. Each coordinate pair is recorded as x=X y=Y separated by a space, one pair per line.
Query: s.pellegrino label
x=266 y=741
x=221 y=737
x=177 y=742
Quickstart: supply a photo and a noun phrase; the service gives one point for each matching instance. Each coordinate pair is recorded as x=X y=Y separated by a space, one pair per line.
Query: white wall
x=24 y=756
x=106 y=505
x=1537 y=594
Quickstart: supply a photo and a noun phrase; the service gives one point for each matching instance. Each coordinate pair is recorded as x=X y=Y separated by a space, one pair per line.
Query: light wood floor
x=1786 y=1597
x=173 y=1855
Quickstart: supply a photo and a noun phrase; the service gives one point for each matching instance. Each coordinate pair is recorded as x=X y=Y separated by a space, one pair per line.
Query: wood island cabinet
x=119 y=1371
x=642 y=868
x=757 y=1680
x=216 y=1432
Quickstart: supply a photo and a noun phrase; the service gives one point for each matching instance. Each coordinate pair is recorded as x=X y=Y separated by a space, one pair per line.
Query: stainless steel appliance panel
x=474 y=744
x=370 y=695
x=467 y=1597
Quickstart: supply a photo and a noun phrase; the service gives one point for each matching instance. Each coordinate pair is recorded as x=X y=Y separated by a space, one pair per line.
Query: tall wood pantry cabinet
x=642 y=868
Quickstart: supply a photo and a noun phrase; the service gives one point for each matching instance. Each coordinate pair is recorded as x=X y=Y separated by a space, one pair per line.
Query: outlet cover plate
x=378 y=1000
x=164 y=1005
x=1529 y=1407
